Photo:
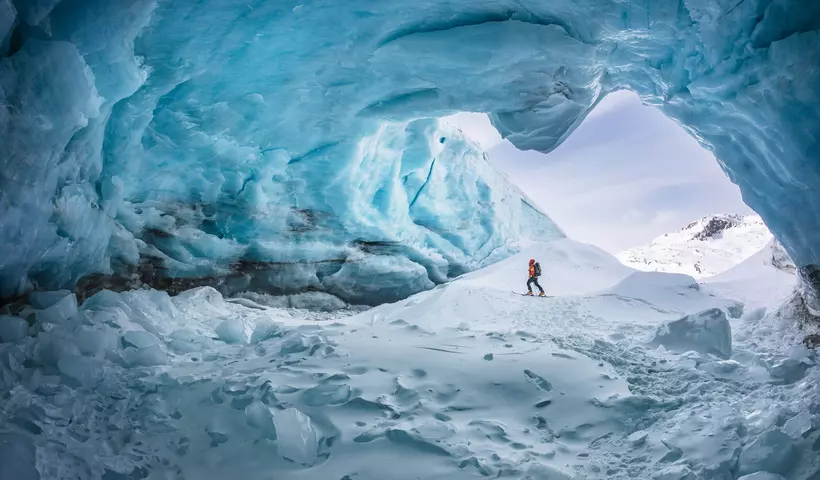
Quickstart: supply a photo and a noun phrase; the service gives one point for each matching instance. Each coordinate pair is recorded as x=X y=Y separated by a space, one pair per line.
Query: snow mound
x=762 y=279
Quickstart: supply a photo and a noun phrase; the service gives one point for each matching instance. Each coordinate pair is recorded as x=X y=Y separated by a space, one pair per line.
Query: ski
x=525 y=295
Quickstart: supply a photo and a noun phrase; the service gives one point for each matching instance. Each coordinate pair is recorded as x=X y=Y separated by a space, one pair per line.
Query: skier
x=535 y=272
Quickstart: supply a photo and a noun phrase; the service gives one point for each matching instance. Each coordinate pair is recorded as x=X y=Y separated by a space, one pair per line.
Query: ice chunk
x=773 y=451
x=12 y=329
x=245 y=302
x=91 y=341
x=638 y=438
x=41 y=300
x=799 y=424
x=788 y=371
x=762 y=420
x=259 y=415
x=51 y=348
x=265 y=329
x=801 y=353
x=297 y=439
x=234 y=330
x=536 y=471
x=147 y=357
x=721 y=368
x=86 y=370
x=60 y=311
x=762 y=476
x=375 y=278
x=675 y=472
x=140 y=339
x=707 y=332
x=17 y=457
x=320 y=301
x=187 y=341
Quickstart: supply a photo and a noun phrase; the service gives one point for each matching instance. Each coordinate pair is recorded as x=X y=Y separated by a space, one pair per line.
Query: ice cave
x=201 y=200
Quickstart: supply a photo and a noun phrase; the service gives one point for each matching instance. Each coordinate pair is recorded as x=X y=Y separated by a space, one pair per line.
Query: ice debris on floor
x=706 y=332
x=464 y=381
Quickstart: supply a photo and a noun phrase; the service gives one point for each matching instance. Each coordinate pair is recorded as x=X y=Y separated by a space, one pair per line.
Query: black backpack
x=537 y=269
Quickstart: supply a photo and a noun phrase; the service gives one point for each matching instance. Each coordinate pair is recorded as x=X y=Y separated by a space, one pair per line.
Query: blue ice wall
x=208 y=134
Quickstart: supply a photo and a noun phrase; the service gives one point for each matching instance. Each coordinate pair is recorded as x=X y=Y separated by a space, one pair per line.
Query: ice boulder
x=60 y=311
x=788 y=371
x=378 y=279
x=773 y=451
x=298 y=440
x=799 y=424
x=259 y=416
x=12 y=329
x=707 y=332
x=140 y=339
x=234 y=330
x=150 y=356
x=264 y=330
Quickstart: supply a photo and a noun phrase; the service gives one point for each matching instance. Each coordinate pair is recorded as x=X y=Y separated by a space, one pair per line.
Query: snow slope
x=762 y=279
x=617 y=376
x=702 y=249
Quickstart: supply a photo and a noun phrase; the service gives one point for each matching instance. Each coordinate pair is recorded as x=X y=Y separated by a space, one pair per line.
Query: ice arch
x=171 y=130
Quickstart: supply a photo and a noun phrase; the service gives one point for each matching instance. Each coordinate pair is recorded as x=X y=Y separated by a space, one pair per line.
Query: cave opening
x=625 y=176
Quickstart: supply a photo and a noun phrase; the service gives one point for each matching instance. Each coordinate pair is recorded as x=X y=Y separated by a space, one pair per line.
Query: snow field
x=623 y=374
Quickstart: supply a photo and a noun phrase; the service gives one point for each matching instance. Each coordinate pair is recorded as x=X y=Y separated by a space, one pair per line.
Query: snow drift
x=198 y=139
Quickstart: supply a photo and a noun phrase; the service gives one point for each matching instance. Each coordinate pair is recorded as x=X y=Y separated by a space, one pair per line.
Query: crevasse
x=285 y=143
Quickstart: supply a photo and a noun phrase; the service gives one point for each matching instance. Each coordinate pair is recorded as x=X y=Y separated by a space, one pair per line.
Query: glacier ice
x=299 y=135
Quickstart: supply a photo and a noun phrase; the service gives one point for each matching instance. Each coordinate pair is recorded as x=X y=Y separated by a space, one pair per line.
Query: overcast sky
x=627 y=174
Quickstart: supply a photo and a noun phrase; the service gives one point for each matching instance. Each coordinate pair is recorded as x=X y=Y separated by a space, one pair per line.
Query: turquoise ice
x=292 y=142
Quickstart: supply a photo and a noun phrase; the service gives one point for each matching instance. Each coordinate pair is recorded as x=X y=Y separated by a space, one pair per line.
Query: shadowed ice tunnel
x=290 y=146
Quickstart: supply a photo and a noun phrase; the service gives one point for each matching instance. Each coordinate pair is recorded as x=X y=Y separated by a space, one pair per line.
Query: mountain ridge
x=706 y=247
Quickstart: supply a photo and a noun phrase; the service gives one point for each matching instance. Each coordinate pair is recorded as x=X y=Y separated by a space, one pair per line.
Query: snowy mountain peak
x=713 y=226
x=706 y=247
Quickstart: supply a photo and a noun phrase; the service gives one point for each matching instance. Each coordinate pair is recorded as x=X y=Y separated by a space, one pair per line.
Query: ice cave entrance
x=626 y=175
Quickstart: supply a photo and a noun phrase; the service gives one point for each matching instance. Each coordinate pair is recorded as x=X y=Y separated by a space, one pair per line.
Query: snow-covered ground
x=620 y=374
x=704 y=248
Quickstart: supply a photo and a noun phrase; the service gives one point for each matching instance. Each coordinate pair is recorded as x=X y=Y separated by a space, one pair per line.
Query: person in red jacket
x=535 y=272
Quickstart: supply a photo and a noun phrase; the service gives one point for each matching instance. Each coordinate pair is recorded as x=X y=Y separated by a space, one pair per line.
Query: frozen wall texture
x=285 y=144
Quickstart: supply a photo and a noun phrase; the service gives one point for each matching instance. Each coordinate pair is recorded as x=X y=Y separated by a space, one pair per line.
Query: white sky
x=625 y=176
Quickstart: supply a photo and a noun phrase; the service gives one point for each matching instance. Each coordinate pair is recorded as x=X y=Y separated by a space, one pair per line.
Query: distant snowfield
x=703 y=249
x=468 y=380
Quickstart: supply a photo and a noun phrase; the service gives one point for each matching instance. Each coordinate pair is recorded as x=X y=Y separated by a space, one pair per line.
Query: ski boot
x=528 y=293
x=542 y=294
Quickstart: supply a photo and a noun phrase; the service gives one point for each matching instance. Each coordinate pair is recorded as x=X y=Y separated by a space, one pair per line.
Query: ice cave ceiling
x=291 y=145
